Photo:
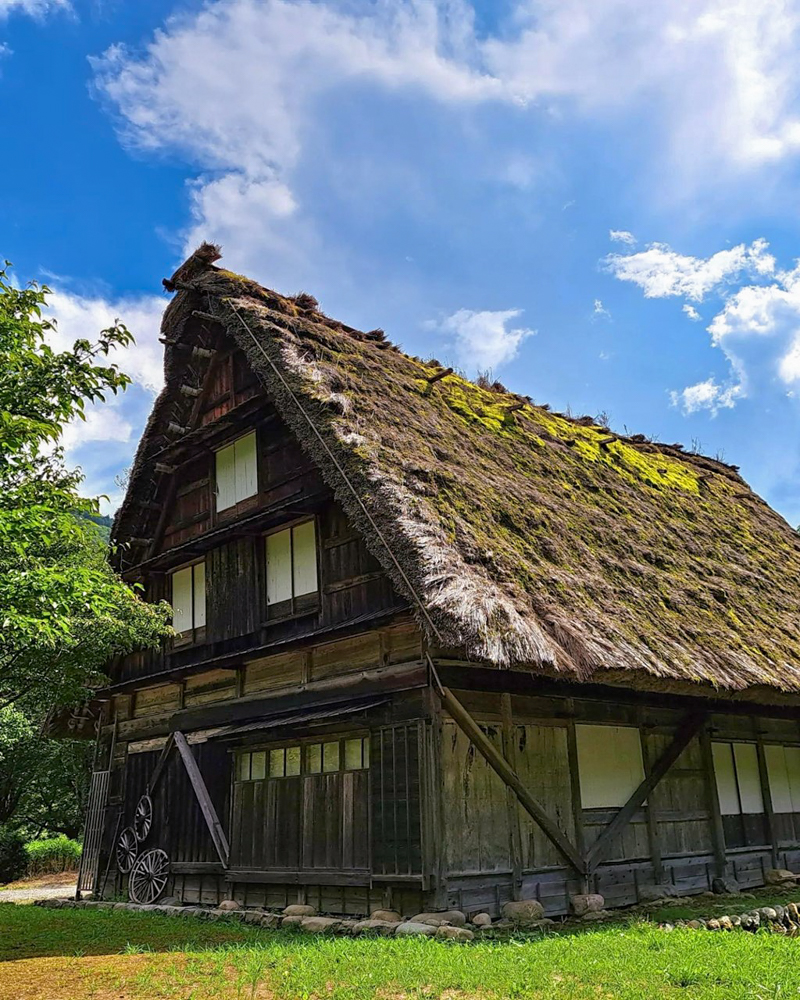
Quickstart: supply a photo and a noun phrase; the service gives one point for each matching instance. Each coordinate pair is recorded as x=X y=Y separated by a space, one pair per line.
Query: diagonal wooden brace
x=500 y=766
x=203 y=798
x=687 y=730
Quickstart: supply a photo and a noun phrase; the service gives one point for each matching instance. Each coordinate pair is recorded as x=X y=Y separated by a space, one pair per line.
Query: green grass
x=149 y=957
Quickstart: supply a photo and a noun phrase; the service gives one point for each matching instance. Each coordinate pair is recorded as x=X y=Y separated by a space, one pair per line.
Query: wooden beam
x=205 y=315
x=202 y=352
x=192 y=391
x=501 y=767
x=687 y=730
x=712 y=798
x=203 y=798
x=166 y=470
x=155 y=777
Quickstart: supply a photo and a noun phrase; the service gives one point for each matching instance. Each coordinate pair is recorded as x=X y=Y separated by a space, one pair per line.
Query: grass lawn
x=77 y=954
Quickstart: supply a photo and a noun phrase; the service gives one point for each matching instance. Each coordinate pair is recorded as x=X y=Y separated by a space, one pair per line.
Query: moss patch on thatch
x=531 y=539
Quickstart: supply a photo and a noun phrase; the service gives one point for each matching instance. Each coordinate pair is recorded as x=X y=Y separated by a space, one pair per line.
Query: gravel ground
x=37 y=892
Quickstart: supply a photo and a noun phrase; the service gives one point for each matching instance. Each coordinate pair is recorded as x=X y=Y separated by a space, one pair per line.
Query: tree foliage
x=63 y=611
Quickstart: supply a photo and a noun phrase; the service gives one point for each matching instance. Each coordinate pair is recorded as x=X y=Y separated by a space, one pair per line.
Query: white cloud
x=661 y=272
x=483 y=339
x=707 y=395
x=104 y=442
x=622 y=236
x=236 y=87
x=34 y=8
x=80 y=317
x=691 y=312
x=756 y=325
x=600 y=311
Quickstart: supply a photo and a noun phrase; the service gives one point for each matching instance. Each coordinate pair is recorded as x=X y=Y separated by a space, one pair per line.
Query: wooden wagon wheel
x=127 y=849
x=143 y=817
x=148 y=876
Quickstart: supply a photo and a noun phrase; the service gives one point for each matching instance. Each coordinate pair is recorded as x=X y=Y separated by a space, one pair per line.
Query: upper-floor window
x=237 y=471
x=610 y=765
x=291 y=565
x=189 y=598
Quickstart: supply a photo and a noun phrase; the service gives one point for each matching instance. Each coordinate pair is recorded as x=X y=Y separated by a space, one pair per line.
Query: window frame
x=195 y=633
x=296 y=605
x=584 y=789
x=735 y=825
x=305 y=746
x=245 y=501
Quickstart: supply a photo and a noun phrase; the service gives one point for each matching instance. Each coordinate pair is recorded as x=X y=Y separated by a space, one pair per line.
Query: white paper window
x=291 y=563
x=610 y=765
x=783 y=769
x=189 y=598
x=237 y=471
x=738 y=782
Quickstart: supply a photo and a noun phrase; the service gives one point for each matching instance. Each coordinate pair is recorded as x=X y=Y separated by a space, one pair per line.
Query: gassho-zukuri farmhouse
x=437 y=647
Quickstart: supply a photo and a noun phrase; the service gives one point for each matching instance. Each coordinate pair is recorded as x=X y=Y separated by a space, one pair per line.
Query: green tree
x=63 y=611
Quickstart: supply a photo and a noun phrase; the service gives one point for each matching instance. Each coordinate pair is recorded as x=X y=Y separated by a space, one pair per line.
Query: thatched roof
x=529 y=538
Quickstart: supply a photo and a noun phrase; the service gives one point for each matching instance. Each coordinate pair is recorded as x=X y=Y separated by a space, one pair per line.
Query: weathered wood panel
x=234 y=602
x=214 y=685
x=270 y=673
x=155 y=700
x=542 y=762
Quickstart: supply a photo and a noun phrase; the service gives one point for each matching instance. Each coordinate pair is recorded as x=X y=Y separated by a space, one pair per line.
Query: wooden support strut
x=203 y=798
x=500 y=766
x=686 y=732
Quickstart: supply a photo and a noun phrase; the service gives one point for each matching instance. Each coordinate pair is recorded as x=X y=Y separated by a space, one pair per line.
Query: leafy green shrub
x=56 y=854
x=13 y=858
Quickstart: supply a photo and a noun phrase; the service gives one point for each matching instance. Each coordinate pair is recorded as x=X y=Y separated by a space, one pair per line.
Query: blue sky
x=596 y=200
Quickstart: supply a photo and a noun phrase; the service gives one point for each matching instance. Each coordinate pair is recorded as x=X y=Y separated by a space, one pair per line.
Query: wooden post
x=500 y=765
x=653 y=840
x=717 y=829
x=766 y=795
x=686 y=731
x=515 y=835
x=575 y=787
x=203 y=798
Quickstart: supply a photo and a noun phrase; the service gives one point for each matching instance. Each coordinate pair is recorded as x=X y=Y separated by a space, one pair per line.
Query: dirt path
x=39 y=887
x=38 y=892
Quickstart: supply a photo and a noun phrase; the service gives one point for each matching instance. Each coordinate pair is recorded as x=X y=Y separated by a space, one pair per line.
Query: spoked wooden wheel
x=127 y=849
x=148 y=876
x=143 y=818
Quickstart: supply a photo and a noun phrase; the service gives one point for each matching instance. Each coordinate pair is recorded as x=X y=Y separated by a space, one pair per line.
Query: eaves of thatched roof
x=523 y=536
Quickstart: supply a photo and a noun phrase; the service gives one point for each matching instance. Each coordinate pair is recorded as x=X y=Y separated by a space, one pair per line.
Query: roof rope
x=341 y=471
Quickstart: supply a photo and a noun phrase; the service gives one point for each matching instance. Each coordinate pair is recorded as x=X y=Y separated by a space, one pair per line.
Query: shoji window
x=237 y=471
x=739 y=792
x=291 y=567
x=189 y=598
x=610 y=765
x=783 y=768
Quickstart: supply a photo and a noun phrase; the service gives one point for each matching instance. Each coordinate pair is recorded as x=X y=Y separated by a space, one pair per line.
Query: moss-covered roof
x=531 y=539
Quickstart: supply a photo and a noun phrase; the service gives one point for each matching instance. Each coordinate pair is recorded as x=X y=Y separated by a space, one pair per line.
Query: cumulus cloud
x=483 y=339
x=707 y=395
x=622 y=236
x=81 y=317
x=661 y=272
x=756 y=324
x=236 y=87
x=103 y=443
